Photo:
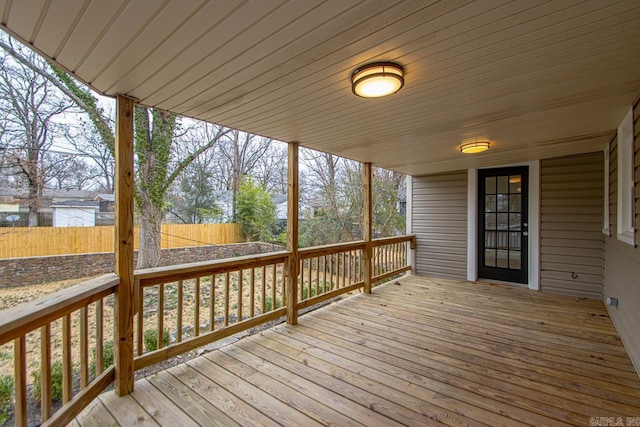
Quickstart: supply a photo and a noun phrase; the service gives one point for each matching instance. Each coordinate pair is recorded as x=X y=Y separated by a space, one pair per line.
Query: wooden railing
x=178 y=309
x=391 y=256
x=228 y=295
x=328 y=271
x=57 y=327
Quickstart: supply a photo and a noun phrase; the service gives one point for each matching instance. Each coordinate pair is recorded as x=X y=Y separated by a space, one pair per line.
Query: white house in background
x=75 y=213
x=280 y=200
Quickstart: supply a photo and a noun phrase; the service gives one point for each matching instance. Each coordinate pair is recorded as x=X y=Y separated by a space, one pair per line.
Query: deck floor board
x=418 y=351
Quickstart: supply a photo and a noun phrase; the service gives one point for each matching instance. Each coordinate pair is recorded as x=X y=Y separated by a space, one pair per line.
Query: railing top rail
x=171 y=273
x=21 y=319
x=331 y=249
x=390 y=240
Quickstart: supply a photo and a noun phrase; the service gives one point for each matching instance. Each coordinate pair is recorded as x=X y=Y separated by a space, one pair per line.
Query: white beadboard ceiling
x=536 y=78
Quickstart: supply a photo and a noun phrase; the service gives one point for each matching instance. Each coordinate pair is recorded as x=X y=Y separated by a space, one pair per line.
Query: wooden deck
x=418 y=351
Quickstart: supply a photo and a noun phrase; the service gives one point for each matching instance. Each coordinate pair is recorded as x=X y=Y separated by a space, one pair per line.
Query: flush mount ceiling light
x=474 y=147
x=377 y=79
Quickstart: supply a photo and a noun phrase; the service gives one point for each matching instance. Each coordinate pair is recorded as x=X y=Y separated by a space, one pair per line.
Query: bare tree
x=29 y=104
x=90 y=146
x=237 y=156
x=271 y=168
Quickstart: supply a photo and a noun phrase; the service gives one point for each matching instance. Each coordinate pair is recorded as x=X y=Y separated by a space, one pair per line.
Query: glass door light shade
x=474 y=147
x=377 y=79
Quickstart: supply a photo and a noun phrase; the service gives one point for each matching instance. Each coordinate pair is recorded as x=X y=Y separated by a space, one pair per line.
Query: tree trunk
x=34 y=203
x=150 y=233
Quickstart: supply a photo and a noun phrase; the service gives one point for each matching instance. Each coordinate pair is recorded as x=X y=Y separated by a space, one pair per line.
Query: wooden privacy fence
x=19 y=242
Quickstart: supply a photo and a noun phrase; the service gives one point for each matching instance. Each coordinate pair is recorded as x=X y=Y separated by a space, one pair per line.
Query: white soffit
x=537 y=78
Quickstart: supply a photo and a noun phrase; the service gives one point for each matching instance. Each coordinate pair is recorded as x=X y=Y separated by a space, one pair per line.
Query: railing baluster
x=351 y=268
x=179 y=314
x=317 y=275
x=160 y=334
x=240 y=289
x=252 y=295
x=20 y=380
x=344 y=268
x=196 y=310
x=212 y=303
x=331 y=271
x=84 y=348
x=310 y=263
x=264 y=288
x=140 y=321
x=337 y=270
x=99 y=327
x=226 y=300
x=324 y=273
x=45 y=372
x=301 y=284
x=273 y=287
x=66 y=359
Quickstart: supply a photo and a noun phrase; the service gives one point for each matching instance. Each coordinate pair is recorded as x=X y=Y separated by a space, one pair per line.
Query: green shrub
x=107 y=356
x=151 y=339
x=305 y=292
x=6 y=396
x=56 y=382
x=268 y=304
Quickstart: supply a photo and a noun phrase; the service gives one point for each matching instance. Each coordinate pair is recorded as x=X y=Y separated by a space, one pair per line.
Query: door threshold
x=501 y=282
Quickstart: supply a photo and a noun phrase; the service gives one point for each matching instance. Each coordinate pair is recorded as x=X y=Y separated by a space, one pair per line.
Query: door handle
x=525 y=233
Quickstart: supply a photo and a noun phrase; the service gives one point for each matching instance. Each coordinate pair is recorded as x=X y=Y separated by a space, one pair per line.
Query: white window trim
x=472 y=224
x=625 y=230
x=606 y=223
x=534 y=222
x=409 y=219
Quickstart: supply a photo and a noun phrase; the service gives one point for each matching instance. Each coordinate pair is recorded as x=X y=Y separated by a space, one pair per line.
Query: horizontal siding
x=571 y=246
x=439 y=221
x=622 y=261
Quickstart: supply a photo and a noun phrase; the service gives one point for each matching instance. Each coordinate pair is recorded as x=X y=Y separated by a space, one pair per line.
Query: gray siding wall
x=571 y=218
x=439 y=219
x=622 y=261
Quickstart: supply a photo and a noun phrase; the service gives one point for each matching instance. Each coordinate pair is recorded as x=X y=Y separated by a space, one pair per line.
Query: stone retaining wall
x=32 y=270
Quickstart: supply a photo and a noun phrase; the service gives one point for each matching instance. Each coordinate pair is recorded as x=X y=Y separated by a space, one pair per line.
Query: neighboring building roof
x=106 y=197
x=77 y=204
x=280 y=198
x=49 y=193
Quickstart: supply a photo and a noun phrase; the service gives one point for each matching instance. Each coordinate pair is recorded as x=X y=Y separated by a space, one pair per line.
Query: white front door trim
x=534 y=222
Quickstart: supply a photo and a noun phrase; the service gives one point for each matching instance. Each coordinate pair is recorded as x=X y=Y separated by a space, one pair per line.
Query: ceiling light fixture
x=474 y=147
x=377 y=79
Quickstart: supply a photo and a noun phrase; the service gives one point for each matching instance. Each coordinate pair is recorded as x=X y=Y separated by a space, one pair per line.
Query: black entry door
x=503 y=224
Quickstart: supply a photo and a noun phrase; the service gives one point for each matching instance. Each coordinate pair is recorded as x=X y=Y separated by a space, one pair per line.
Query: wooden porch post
x=292 y=235
x=367 y=225
x=124 y=245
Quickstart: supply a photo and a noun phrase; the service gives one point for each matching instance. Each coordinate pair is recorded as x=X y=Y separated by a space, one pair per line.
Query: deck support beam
x=124 y=245
x=292 y=234
x=367 y=226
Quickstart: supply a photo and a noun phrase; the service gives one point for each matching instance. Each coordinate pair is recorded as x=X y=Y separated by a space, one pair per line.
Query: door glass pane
x=515 y=221
x=503 y=184
x=490 y=185
x=490 y=221
x=503 y=202
x=514 y=260
x=503 y=239
x=490 y=239
x=502 y=259
x=515 y=203
x=489 y=203
x=503 y=221
x=515 y=184
x=514 y=240
x=490 y=257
